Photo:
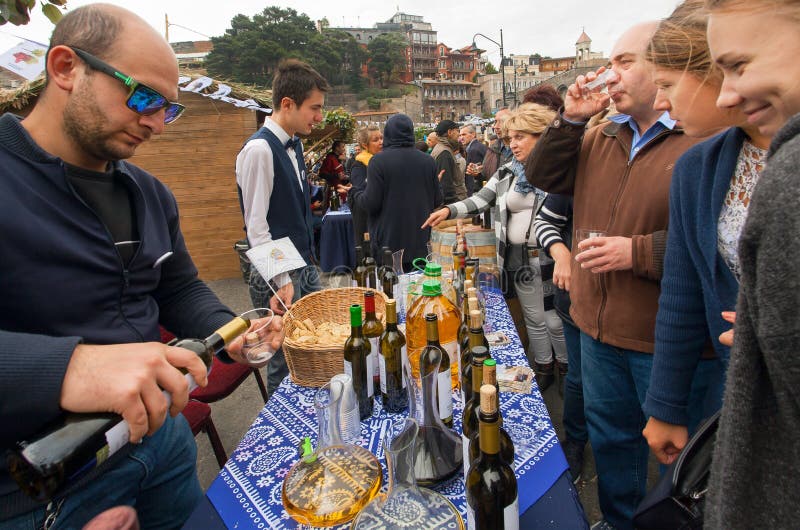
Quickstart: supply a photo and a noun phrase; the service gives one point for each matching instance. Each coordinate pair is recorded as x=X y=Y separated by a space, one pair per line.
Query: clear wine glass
x=257 y=346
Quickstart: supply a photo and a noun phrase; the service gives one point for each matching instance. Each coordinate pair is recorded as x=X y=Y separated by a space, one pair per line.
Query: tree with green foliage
x=251 y=48
x=18 y=12
x=387 y=57
x=490 y=69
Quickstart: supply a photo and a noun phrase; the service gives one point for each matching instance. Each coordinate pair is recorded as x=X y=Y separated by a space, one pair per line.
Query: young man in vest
x=274 y=192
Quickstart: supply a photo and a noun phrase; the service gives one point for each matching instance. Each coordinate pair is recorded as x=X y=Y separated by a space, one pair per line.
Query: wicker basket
x=314 y=365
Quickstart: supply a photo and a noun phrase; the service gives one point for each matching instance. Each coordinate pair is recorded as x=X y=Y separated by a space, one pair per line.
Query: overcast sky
x=550 y=28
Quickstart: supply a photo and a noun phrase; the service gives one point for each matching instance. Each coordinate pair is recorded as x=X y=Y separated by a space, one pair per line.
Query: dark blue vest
x=289 y=213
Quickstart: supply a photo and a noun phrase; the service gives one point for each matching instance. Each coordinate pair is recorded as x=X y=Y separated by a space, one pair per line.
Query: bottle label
x=465 y=450
x=374 y=348
x=353 y=283
x=404 y=361
x=452 y=351
x=382 y=360
x=511 y=515
x=370 y=370
x=116 y=437
x=445 y=395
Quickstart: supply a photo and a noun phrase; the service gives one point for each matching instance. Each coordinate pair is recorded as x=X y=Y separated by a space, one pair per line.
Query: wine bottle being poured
x=80 y=442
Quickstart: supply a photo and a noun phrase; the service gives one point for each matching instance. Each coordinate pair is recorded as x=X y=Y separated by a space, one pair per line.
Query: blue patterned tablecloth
x=247 y=492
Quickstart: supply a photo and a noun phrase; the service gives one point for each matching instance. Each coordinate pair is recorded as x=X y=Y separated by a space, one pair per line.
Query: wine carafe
x=439 y=450
x=329 y=486
x=406 y=505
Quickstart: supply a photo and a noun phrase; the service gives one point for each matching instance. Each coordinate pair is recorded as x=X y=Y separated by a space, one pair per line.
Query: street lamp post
x=502 y=59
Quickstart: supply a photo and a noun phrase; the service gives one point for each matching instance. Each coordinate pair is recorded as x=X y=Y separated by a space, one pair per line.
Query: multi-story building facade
x=420 y=38
x=447 y=99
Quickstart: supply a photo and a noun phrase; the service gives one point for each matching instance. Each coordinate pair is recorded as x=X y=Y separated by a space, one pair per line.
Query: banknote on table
x=517 y=379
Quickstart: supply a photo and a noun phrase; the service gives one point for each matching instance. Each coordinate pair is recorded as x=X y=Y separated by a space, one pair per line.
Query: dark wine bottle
x=469 y=418
x=506 y=445
x=444 y=387
x=78 y=443
x=373 y=329
x=491 y=487
x=476 y=338
x=476 y=356
x=390 y=278
x=369 y=263
x=458 y=275
x=356 y=351
x=335 y=203
x=472 y=269
x=392 y=357
x=360 y=272
x=463 y=340
x=487 y=218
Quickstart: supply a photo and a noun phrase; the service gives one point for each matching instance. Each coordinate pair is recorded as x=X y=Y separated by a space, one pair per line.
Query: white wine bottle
x=78 y=443
x=393 y=357
x=373 y=329
x=444 y=389
x=492 y=501
x=356 y=351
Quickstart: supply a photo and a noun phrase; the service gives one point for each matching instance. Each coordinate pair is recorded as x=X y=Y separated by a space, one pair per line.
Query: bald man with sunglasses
x=93 y=262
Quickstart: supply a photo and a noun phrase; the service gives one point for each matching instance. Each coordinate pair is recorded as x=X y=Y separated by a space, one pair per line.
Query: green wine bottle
x=369 y=263
x=392 y=357
x=356 y=350
x=491 y=487
x=389 y=279
x=360 y=272
x=373 y=329
x=506 y=445
x=444 y=387
x=78 y=443
x=476 y=338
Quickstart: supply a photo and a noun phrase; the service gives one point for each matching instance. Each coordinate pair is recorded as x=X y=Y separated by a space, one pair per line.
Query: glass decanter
x=438 y=454
x=329 y=486
x=405 y=505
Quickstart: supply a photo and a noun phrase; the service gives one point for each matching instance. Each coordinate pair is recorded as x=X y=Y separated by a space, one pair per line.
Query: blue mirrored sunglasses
x=141 y=99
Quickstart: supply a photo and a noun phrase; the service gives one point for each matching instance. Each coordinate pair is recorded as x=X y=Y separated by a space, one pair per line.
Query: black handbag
x=677 y=501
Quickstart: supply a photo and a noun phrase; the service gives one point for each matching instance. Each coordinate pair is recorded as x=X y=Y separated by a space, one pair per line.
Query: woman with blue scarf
x=528 y=270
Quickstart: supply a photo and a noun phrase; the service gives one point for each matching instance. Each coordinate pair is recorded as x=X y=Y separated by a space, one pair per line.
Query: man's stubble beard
x=85 y=125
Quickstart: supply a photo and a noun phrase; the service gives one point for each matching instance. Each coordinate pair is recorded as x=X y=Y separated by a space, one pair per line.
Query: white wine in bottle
x=373 y=329
x=78 y=443
x=356 y=352
x=492 y=501
x=393 y=357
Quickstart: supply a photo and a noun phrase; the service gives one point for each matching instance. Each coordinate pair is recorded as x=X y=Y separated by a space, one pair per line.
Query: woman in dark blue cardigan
x=710 y=192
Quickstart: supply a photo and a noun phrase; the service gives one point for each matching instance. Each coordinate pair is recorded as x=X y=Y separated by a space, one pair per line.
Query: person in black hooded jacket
x=402 y=190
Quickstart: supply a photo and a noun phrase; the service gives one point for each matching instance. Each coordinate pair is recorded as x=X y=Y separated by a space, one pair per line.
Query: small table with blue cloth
x=247 y=492
x=337 y=251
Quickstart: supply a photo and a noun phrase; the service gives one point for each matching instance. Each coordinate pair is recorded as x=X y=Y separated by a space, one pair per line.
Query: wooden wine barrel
x=481 y=242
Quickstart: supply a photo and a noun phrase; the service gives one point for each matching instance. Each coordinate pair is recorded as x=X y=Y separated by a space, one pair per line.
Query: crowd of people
x=680 y=302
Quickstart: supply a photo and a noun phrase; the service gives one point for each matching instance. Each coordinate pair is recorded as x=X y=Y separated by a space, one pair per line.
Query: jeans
x=545 y=334
x=158 y=478
x=305 y=280
x=574 y=418
x=615 y=382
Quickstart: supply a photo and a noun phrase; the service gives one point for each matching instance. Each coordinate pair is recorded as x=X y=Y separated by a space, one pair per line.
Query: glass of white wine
x=257 y=346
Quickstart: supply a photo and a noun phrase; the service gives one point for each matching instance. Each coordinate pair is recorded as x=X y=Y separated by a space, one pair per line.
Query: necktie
x=292 y=142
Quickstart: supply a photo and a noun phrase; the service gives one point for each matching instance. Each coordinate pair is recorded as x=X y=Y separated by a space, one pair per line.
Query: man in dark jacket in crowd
x=452 y=180
x=402 y=191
